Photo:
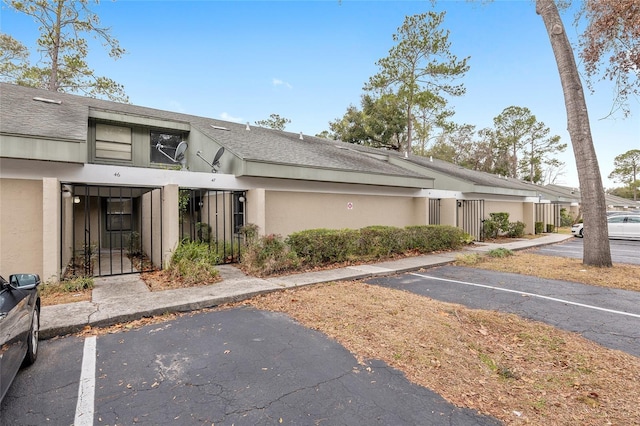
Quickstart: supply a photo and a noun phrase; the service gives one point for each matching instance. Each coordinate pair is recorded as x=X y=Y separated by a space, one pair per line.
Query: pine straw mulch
x=519 y=371
x=526 y=262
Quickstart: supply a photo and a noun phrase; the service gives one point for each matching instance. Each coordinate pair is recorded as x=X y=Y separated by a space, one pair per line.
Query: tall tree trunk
x=596 y=241
x=56 y=30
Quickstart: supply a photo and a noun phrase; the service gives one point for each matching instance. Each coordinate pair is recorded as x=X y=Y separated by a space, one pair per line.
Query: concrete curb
x=122 y=299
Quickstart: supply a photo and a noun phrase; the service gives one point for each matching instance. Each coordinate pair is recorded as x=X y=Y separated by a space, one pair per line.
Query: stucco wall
x=20 y=227
x=288 y=212
x=515 y=210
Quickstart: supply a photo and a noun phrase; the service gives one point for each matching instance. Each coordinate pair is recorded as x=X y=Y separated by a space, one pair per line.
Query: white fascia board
x=124 y=119
x=291 y=185
x=441 y=193
x=108 y=175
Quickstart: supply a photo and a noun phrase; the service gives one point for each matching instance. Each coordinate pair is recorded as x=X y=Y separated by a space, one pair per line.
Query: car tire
x=32 y=342
x=581 y=234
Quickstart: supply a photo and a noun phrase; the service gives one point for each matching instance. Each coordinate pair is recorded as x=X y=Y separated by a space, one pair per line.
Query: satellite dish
x=178 y=156
x=216 y=159
x=180 y=150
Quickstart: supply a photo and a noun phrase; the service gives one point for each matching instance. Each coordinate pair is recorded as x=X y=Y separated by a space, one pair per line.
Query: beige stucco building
x=81 y=176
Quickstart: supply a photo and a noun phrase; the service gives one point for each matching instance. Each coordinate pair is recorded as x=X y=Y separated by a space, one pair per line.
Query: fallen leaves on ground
x=519 y=371
x=620 y=276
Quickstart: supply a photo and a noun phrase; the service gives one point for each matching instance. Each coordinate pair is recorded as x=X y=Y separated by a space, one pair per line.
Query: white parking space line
x=524 y=293
x=86 y=389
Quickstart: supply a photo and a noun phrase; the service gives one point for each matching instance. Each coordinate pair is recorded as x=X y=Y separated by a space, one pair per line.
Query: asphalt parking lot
x=622 y=251
x=230 y=367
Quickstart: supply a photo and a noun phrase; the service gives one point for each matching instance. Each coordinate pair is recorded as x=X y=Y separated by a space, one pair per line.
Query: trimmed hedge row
x=323 y=246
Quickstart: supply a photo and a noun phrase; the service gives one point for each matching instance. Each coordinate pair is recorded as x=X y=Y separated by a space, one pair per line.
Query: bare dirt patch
x=163 y=280
x=60 y=298
x=519 y=371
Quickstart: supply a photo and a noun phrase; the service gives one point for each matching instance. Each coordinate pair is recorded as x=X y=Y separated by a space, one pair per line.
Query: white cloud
x=225 y=116
x=277 y=82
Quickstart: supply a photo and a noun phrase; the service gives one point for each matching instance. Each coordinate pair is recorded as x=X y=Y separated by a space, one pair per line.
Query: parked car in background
x=19 y=325
x=624 y=226
x=576 y=229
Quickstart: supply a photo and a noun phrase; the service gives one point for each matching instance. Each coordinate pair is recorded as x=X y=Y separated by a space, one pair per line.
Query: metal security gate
x=434 y=211
x=547 y=217
x=213 y=217
x=109 y=230
x=471 y=217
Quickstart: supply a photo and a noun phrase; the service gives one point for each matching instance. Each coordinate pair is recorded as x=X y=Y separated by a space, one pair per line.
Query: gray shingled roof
x=21 y=115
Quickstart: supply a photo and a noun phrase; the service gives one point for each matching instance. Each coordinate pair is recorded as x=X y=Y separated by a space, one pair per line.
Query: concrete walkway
x=126 y=298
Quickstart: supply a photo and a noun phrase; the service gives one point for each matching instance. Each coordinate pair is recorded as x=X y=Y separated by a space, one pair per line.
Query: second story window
x=113 y=142
x=168 y=142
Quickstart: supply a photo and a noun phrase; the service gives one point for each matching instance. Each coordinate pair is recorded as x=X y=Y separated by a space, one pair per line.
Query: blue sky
x=308 y=61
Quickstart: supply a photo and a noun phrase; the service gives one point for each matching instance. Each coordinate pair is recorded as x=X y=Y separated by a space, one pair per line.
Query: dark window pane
x=167 y=142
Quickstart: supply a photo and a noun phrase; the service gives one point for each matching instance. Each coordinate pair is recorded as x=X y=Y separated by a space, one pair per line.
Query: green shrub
x=381 y=241
x=516 y=229
x=550 y=227
x=539 y=227
x=72 y=285
x=133 y=244
x=203 y=232
x=320 y=246
x=566 y=218
x=194 y=262
x=490 y=229
x=501 y=219
x=500 y=252
x=429 y=238
x=268 y=255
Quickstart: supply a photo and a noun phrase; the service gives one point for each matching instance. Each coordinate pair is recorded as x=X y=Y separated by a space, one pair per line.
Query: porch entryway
x=109 y=230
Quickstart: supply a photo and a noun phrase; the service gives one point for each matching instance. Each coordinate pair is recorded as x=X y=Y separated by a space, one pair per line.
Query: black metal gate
x=108 y=230
x=547 y=217
x=213 y=217
x=471 y=217
x=434 y=211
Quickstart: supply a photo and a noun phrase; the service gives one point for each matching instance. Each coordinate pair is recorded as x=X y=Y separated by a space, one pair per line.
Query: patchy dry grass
x=558 y=268
x=519 y=371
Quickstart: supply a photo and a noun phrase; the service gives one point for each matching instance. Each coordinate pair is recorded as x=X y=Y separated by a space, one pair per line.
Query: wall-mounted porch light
x=76 y=200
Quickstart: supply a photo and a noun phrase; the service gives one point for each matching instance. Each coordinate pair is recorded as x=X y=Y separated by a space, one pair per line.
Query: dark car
x=19 y=325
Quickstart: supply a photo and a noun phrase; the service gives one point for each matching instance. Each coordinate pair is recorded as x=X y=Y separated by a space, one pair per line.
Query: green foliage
x=72 y=285
x=516 y=229
x=550 y=228
x=501 y=219
x=539 y=227
x=250 y=232
x=321 y=246
x=627 y=170
x=133 y=244
x=64 y=48
x=500 y=252
x=268 y=255
x=195 y=251
x=183 y=201
x=324 y=246
x=274 y=122
x=194 y=262
x=203 y=232
x=419 y=68
x=381 y=123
